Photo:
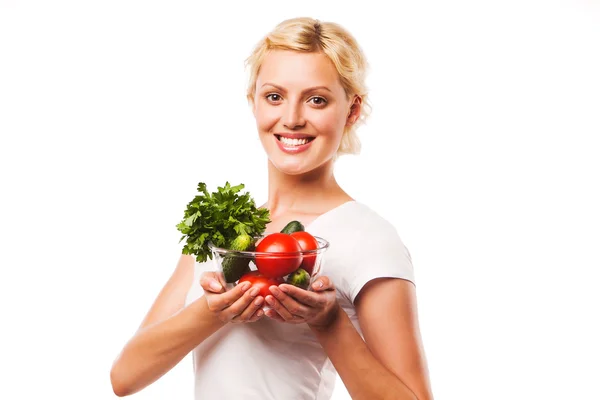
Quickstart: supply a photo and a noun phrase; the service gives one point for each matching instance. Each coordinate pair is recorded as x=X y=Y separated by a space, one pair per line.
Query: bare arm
x=387 y=313
x=170 y=330
x=391 y=363
x=167 y=334
x=363 y=375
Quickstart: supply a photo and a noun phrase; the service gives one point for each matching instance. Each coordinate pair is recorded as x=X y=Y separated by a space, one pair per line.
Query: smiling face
x=301 y=110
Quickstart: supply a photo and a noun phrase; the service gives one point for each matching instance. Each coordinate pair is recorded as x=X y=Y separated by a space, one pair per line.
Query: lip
x=293 y=149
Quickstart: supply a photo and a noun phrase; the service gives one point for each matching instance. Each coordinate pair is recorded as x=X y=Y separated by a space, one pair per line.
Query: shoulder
x=379 y=235
x=374 y=221
x=366 y=246
x=361 y=228
x=375 y=228
x=356 y=214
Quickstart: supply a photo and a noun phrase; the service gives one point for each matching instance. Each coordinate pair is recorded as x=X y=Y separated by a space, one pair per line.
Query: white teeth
x=293 y=142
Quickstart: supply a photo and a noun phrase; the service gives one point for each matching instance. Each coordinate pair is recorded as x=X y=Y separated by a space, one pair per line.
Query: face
x=301 y=110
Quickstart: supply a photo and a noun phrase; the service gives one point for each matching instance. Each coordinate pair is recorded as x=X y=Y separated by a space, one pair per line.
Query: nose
x=292 y=117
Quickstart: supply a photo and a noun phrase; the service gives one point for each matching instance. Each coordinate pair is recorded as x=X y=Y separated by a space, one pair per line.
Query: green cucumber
x=234 y=266
x=293 y=226
x=299 y=278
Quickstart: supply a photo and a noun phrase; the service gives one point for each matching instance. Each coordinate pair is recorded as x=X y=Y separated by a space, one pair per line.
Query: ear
x=354 y=112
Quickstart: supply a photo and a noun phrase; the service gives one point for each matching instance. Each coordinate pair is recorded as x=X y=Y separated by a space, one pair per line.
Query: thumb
x=209 y=283
x=322 y=283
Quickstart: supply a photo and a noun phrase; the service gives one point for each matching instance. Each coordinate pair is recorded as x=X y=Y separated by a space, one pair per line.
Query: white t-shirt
x=271 y=360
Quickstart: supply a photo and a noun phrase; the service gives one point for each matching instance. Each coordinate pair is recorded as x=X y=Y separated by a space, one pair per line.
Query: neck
x=310 y=193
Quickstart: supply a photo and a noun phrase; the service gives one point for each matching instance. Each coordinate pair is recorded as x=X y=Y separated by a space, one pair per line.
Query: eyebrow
x=312 y=89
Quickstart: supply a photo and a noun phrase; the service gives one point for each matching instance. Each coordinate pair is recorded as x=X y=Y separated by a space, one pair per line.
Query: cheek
x=330 y=123
x=266 y=117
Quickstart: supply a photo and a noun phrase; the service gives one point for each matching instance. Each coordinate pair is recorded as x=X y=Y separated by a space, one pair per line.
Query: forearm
x=364 y=376
x=157 y=348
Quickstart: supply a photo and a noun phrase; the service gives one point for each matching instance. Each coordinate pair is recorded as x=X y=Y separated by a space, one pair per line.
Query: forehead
x=292 y=69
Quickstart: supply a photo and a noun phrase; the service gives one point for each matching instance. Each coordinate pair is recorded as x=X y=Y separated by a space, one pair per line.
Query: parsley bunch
x=219 y=217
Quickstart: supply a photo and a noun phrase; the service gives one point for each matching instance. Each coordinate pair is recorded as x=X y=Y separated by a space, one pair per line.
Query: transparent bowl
x=238 y=262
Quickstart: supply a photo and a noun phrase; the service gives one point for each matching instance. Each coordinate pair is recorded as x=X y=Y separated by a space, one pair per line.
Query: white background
x=481 y=150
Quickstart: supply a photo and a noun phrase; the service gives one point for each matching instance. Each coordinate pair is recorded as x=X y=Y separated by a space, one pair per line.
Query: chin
x=294 y=164
x=292 y=167
x=296 y=167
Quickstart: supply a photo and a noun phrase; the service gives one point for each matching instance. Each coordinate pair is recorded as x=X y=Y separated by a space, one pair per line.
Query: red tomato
x=261 y=282
x=278 y=265
x=307 y=242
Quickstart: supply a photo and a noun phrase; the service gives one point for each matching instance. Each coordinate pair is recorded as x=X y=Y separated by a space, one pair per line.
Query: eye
x=318 y=101
x=274 y=97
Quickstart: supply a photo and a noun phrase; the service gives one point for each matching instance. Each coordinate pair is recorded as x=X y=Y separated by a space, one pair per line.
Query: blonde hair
x=311 y=35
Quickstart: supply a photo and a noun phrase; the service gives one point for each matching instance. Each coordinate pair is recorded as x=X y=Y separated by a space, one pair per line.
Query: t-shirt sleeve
x=379 y=253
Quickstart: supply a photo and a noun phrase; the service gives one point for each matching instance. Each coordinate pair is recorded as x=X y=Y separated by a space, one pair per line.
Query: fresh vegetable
x=235 y=265
x=278 y=265
x=299 y=278
x=260 y=281
x=307 y=242
x=293 y=226
x=219 y=217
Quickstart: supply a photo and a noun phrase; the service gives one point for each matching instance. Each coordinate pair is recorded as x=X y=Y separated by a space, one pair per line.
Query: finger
x=257 y=315
x=241 y=304
x=322 y=283
x=221 y=277
x=228 y=298
x=273 y=315
x=209 y=282
x=290 y=306
x=295 y=320
x=311 y=299
x=251 y=309
x=278 y=308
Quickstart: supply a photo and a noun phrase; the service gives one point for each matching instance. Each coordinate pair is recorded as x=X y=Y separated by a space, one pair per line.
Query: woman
x=307 y=94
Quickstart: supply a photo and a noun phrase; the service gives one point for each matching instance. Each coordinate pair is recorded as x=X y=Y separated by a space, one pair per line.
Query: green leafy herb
x=219 y=217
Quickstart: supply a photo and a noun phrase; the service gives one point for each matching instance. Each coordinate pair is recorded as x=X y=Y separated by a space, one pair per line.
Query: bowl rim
x=323 y=242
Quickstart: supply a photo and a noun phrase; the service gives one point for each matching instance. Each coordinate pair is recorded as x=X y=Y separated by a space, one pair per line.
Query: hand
x=236 y=305
x=291 y=304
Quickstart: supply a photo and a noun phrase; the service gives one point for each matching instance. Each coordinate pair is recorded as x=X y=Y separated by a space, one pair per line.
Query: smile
x=293 y=144
x=290 y=141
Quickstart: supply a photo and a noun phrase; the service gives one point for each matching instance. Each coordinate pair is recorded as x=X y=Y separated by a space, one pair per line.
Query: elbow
x=118 y=383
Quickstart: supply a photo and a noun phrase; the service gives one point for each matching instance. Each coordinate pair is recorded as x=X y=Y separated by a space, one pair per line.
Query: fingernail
x=275 y=290
x=318 y=285
x=214 y=285
x=245 y=286
x=259 y=313
x=283 y=289
x=258 y=301
x=254 y=292
x=270 y=300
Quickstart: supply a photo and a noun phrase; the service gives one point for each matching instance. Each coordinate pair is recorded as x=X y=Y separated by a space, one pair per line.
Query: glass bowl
x=231 y=264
